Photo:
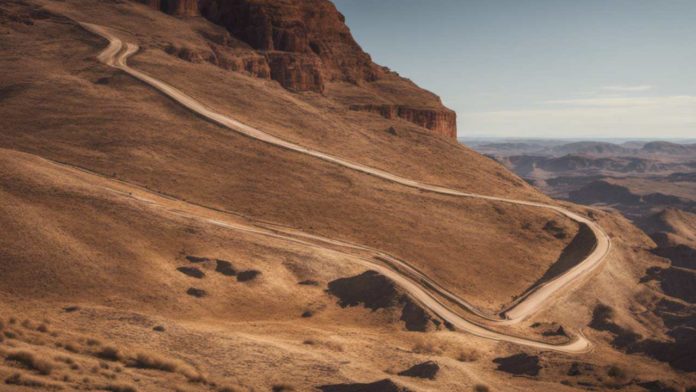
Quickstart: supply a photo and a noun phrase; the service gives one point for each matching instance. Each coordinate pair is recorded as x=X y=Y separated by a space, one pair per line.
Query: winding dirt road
x=406 y=276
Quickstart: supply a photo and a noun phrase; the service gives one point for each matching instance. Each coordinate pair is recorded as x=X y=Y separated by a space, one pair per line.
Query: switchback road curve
x=116 y=55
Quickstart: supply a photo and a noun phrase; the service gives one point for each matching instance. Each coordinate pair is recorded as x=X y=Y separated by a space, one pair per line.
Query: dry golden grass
x=73 y=238
x=154 y=361
x=426 y=345
x=333 y=346
x=88 y=368
x=110 y=353
x=119 y=388
x=151 y=142
x=31 y=361
x=468 y=356
x=24 y=380
x=72 y=347
x=64 y=359
x=228 y=389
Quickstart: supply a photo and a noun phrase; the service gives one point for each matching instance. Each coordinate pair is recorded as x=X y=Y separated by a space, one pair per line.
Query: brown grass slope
x=62 y=105
x=95 y=269
x=88 y=259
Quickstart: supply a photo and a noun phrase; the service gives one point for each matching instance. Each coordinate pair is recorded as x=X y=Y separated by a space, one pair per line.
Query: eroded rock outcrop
x=385 y=385
x=677 y=351
x=442 y=121
x=298 y=73
x=680 y=255
x=674 y=233
x=175 y=7
x=308 y=39
x=305 y=46
x=375 y=291
x=679 y=283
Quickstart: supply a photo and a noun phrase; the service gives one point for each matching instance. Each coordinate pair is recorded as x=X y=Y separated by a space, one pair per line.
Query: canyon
x=176 y=218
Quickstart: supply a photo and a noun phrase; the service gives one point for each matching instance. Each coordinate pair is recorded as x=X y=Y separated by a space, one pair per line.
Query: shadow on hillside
x=574 y=253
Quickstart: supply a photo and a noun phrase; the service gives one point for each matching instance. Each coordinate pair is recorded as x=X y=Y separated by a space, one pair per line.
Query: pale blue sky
x=543 y=68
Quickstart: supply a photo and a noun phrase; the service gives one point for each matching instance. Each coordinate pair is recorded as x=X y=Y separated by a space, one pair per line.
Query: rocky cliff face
x=304 y=45
x=441 y=121
x=175 y=7
x=306 y=42
x=307 y=29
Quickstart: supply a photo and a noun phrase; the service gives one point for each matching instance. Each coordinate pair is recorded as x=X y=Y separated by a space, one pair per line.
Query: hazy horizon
x=549 y=69
x=616 y=140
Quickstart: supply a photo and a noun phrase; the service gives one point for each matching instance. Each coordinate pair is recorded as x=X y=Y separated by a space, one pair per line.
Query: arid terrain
x=231 y=196
x=651 y=183
x=638 y=178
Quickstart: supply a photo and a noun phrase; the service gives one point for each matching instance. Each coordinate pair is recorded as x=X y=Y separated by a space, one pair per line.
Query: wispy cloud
x=615 y=102
x=673 y=116
x=628 y=89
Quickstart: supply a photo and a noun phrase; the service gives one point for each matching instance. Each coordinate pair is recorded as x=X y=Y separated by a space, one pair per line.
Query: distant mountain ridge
x=573 y=162
x=590 y=148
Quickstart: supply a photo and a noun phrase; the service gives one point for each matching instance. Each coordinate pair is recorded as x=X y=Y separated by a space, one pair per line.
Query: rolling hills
x=147 y=248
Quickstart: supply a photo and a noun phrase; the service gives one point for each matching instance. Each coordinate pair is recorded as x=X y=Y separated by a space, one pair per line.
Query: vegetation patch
x=427 y=370
x=28 y=381
x=225 y=267
x=153 y=361
x=248 y=275
x=519 y=364
x=198 y=293
x=196 y=259
x=385 y=385
x=31 y=361
x=193 y=272
x=109 y=353
x=119 y=388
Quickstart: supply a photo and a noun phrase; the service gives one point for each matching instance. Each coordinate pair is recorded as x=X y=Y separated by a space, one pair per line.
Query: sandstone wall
x=175 y=7
x=441 y=121
x=303 y=45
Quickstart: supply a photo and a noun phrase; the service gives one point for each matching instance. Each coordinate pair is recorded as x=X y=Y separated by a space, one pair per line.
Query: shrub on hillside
x=31 y=361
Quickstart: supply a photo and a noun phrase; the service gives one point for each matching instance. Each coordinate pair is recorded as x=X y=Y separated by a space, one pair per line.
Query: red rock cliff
x=441 y=121
x=175 y=7
x=307 y=45
x=307 y=42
